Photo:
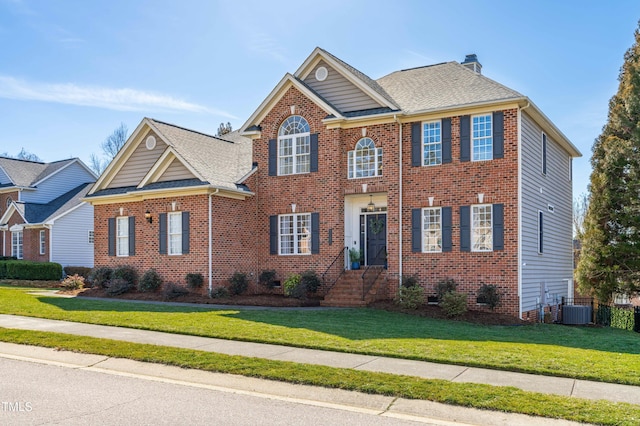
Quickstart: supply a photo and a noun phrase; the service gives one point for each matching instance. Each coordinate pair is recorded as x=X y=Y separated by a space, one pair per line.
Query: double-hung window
x=294 y=232
x=122 y=236
x=482 y=138
x=294 y=146
x=175 y=232
x=43 y=242
x=365 y=160
x=432 y=230
x=432 y=143
x=16 y=244
x=481 y=228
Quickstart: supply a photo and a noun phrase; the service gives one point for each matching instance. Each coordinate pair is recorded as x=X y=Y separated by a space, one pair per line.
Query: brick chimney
x=471 y=62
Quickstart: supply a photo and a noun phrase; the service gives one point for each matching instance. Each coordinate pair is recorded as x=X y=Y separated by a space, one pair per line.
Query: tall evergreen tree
x=610 y=257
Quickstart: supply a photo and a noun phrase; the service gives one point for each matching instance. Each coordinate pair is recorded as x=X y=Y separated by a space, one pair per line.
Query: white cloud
x=100 y=97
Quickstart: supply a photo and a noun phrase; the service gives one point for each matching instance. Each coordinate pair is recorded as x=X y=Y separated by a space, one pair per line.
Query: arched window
x=294 y=146
x=365 y=160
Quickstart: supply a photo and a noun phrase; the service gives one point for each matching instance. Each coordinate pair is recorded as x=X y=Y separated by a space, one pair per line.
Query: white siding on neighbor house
x=138 y=164
x=339 y=91
x=4 y=179
x=58 y=184
x=539 y=191
x=70 y=238
x=176 y=171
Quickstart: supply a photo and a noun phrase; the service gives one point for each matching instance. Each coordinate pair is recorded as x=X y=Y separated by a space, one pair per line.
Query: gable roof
x=27 y=174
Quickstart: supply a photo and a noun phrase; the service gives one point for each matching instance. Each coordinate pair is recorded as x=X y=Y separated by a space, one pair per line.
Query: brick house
x=434 y=172
x=42 y=213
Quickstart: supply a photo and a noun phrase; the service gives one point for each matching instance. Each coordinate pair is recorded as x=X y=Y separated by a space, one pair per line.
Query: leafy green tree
x=610 y=258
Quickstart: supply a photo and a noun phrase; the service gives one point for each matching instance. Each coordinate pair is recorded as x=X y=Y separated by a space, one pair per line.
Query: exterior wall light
x=147 y=215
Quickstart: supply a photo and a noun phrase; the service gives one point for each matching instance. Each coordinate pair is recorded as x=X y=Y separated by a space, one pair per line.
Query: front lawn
x=589 y=353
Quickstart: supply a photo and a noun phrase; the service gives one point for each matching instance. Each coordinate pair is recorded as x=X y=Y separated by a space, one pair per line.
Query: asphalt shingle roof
x=26 y=173
x=40 y=213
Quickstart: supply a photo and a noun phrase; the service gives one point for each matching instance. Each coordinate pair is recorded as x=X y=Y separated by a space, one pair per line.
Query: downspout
x=520 y=263
x=210 y=249
x=395 y=117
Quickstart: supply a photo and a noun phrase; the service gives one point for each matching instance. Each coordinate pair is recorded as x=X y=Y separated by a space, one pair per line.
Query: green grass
x=507 y=399
x=600 y=354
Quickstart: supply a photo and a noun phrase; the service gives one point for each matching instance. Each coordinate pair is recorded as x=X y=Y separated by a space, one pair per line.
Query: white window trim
x=297 y=233
x=17 y=247
x=124 y=237
x=540 y=233
x=353 y=157
x=473 y=244
x=170 y=250
x=473 y=139
x=424 y=158
x=424 y=231
x=294 y=156
x=42 y=242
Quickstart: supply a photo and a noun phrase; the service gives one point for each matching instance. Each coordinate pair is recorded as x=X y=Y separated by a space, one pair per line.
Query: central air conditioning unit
x=576 y=314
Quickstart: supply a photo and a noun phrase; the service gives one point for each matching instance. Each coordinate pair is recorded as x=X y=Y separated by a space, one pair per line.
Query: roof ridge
x=22 y=159
x=190 y=130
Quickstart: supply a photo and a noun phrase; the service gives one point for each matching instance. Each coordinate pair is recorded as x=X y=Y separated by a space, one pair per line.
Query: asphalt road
x=42 y=394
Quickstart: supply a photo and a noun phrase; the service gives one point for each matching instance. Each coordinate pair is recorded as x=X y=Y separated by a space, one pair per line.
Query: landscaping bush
x=447 y=285
x=293 y=287
x=118 y=286
x=239 y=283
x=73 y=282
x=453 y=303
x=100 y=277
x=310 y=280
x=194 y=280
x=219 y=292
x=128 y=273
x=411 y=281
x=150 y=281
x=172 y=291
x=83 y=271
x=488 y=293
x=268 y=278
x=410 y=297
x=27 y=270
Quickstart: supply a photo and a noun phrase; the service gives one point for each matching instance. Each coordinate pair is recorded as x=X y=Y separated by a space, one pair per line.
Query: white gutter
x=399 y=203
x=520 y=264
x=210 y=253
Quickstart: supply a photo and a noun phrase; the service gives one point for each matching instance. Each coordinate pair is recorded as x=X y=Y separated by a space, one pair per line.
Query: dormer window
x=294 y=146
x=365 y=160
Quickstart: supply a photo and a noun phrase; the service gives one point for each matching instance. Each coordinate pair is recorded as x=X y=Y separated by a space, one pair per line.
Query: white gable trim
x=75 y=160
x=162 y=164
x=10 y=210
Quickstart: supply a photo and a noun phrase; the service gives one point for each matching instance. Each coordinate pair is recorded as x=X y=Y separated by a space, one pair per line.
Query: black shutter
x=273 y=234
x=416 y=144
x=416 y=230
x=185 y=233
x=498 y=227
x=315 y=233
x=273 y=157
x=111 y=226
x=498 y=134
x=465 y=138
x=446 y=229
x=446 y=140
x=540 y=232
x=313 y=167
x=465 y=228
x=162 y=242
x=132 y=235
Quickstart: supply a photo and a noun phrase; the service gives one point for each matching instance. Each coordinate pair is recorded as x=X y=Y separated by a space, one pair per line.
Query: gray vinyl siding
x=555 y=264
x=140 y=162
x=339 y=91
x=70 y=238
x=176 y=171
x=58 y=184
x=4 y=179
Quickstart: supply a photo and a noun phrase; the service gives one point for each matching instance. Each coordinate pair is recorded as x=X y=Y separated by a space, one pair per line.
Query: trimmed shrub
x=194 y=280
x=410 y=297
x=219 y=292
x=83 y=271
x=488 y=293
x=268 y=278
x=411 y=281
x=27 y=270
x=118 y=286
x=293 y=287
x=454 y=304
x=447 y=285
x=150 y=281
x=239 y=283
x=128 y=273
x=73 y=282
x=100 y=277
x=310 y=280
x=173 y=290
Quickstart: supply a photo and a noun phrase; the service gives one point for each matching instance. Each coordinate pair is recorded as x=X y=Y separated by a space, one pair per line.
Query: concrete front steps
x=347 y=291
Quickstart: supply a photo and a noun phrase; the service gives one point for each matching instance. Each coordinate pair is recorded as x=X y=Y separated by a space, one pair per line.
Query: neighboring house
x=436 y=172
x=42 y=215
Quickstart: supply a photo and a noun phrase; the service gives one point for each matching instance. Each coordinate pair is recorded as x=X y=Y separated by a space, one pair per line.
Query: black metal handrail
x=369 y=279
x=334 y=271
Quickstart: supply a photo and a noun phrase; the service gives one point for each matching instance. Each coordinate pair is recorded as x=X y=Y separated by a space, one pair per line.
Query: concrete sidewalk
x=453 y=373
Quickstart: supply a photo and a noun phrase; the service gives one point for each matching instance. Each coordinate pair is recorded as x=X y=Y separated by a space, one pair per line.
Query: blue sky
x=72 y=70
